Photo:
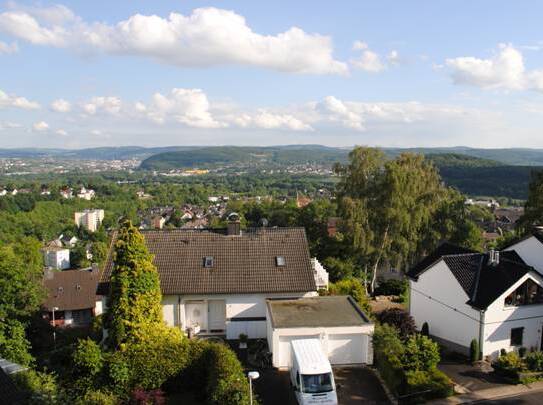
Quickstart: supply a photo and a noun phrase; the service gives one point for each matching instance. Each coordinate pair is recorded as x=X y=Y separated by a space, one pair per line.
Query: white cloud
x=9 y=125
x=393 y=57
x=110 y=105
x=504 y=70
x=41 y=126
x=369 y=61
x=61 y=106
x=96 y=132
x=6 y=48
x=186 y=106
x=207 y=37
x=61 y=132
x=7 y=100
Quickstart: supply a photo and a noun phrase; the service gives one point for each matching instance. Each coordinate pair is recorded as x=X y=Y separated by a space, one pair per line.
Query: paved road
x=527 y=399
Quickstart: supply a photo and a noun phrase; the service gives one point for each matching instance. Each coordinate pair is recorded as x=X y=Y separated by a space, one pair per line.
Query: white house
x=495 y=298
x=89 y=219
x=530 y=249
x=56 y=257
x=218 y=281
x=66 y=193
x=86 y=194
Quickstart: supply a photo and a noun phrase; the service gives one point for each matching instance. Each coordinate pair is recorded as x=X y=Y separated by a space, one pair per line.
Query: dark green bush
x=427 y=385
x=522 y=352
x=474 y=354
x=508 y=364
x=534 y=361
x=400 y=319
x=391 y=287
x=39 y=388
x=425 y=330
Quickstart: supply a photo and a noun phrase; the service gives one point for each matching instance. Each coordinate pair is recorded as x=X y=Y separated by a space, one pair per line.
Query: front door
x=217 y=316
x=195 y=315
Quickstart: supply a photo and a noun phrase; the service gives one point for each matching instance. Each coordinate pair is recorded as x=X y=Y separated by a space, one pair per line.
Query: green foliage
x=533 y=210
x=391 y=287
x=534 y=361
x=354 y=288
x=425 y=330
x=474 y=352
x=98 y=397
x=135 y=309
x=88 y=358
x=39 y=388
x=434 y=381
x=338 y=268
x=509 y=364
x=420 y=354
x=13 y=343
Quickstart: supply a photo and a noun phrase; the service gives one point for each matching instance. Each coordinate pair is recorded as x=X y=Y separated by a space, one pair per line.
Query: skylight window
x=280 y=261
x=208 y=261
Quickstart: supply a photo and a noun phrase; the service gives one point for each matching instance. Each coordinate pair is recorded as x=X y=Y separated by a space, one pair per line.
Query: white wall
x=438 y=299
x=237 y=306
x=499 y=320
x=531 y=251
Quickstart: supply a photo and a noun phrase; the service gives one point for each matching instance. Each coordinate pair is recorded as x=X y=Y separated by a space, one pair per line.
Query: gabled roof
x=537 y=235
x=444 y=249
x=242 y=264
x=482 y=282
x=71 y=289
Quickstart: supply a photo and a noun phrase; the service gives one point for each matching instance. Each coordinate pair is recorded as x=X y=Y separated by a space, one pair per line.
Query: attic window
x=208 y=261
x=280 y=261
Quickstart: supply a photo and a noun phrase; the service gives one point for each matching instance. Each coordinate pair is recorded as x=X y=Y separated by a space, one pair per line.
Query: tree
x=135 y=298
x=420 y=354
x=533 y=209
x=354 y=288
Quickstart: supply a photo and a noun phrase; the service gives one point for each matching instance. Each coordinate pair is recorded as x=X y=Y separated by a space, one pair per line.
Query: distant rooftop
x=332 y=311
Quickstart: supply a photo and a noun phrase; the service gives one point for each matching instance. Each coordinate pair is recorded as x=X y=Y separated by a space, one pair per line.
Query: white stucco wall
x=438 y=299
x=531 y=251
x=237 y=306
x=499 y=320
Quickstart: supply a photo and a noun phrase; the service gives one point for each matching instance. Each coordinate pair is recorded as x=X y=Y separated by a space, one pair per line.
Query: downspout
x=481 y=332
x=179 y=312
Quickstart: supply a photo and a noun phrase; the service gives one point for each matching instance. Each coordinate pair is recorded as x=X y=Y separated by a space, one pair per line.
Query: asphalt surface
x=527 y=399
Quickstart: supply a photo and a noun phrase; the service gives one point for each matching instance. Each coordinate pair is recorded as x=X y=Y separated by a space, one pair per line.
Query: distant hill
x=458 y=160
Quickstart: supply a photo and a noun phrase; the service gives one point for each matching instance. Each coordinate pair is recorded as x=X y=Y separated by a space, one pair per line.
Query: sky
x=380 y=73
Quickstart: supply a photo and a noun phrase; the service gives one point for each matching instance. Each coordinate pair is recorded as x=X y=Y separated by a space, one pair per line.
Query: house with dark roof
x=530 y=248
x=218 y=281
x=72 y=298
x=495 y=298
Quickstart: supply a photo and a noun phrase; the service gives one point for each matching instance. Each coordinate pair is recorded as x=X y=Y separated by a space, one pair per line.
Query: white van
x=311 y=373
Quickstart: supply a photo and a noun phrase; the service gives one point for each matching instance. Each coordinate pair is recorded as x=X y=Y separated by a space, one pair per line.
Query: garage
x=337 y=321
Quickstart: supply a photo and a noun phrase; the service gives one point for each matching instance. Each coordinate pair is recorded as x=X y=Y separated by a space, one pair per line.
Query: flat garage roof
x=331 y=311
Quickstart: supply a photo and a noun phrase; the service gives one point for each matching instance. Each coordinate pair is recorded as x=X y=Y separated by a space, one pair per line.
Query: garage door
x=283 y=358
x=347 y=349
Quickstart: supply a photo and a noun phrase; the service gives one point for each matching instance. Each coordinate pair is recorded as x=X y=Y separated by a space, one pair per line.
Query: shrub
x=425 y=330
x=430 y=384
x=522 y=351
x=400 y=319
x=503 y=352
x=98 y=398
x=39 y=388
x=474 y=354
x=141 y=397
x=509 y=364
x=88 y=357
x=420 y=353
x=534 y=361
x=354 y=288
x=391 y=287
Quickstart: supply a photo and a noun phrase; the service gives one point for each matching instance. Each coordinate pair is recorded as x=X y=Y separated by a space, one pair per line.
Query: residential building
x=158 y=222
x=218 y=281
x=495 y=298
x=56 y=257
x=72 y=295
x=69 y=241
x=66 y=193
x=86 y=194
x=90 y=219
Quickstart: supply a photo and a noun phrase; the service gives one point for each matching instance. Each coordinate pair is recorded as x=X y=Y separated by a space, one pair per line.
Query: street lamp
x=54 y=328
x=253 y=375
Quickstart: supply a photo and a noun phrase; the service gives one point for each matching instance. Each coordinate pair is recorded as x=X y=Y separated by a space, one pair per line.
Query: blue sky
x=390 y=73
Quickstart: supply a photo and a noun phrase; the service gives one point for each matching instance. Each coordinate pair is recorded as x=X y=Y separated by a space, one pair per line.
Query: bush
x=430 y=384
x=474 y=354
x=141 y=397
x=420 y=354
x=400 y=319
x=391 y=287
x=425 y=330
x=522 y=352
x=39 y=388
x=534 y=361
x=354 y=288
x=98 y=398
x=509 y=364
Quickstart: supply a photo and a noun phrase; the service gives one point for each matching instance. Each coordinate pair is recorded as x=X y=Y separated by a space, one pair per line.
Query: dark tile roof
x=243 y=263
x=482 y=282
x=444 y=249
x=331 y=311
x=71 y=289
x=8 y=391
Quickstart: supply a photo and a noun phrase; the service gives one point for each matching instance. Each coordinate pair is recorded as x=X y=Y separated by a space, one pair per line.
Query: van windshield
x=315 y=383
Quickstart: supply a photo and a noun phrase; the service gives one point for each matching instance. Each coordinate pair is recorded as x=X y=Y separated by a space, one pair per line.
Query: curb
x=391 y=398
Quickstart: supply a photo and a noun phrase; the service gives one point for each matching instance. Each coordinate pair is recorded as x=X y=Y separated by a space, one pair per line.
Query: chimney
x=493 y=257
x=233 y=227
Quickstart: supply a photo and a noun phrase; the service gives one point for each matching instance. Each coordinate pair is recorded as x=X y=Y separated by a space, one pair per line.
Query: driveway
x=470 y=378
x=355 y=385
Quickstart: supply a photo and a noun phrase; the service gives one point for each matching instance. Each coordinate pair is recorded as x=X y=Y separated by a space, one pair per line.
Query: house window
x=528 y=293
x=516 y=336
x=280 y=261
x=208 y=261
